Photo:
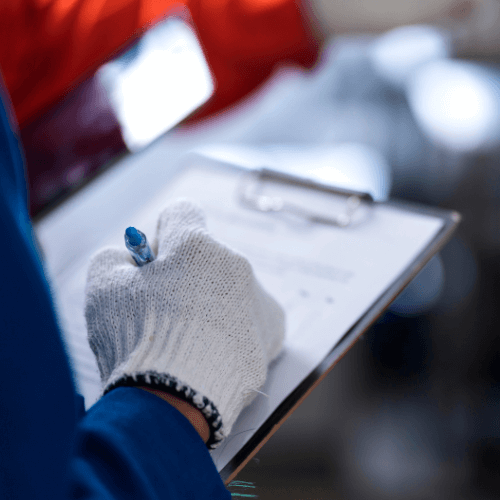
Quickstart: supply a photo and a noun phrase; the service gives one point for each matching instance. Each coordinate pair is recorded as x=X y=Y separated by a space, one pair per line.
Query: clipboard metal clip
x=249 y=196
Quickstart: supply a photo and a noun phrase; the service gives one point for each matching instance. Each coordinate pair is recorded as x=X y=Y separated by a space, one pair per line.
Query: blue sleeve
x=130 y=444
x=134 y=445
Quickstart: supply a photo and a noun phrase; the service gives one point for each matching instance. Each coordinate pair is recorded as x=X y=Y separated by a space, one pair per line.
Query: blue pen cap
x=134 y=238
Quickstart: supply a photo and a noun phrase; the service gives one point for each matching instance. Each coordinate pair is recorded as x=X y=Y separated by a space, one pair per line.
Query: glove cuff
x=172 y=385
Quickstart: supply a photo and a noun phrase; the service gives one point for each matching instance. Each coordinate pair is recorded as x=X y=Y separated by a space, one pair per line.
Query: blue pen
x=138 y=246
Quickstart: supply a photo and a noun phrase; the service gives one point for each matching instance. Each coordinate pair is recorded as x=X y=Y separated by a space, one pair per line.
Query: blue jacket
x=129 y=445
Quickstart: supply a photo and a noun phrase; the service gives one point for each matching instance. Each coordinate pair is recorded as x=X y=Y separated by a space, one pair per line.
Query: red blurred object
x=244 y=40
x=50 y=47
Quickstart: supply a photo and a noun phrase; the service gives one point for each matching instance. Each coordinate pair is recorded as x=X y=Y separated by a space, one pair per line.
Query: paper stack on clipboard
x=333 y=259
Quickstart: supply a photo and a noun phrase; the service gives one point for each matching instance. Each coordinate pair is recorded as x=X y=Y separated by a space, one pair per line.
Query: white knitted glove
x=194 y=322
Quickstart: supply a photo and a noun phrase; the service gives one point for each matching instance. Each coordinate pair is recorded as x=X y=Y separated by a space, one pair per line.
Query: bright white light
x=397 y=53
x=167 y=80
x=355 y=166
x=456 y=104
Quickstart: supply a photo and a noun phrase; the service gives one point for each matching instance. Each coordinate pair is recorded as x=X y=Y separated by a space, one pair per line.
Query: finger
x=180 y=218
x=106 y=261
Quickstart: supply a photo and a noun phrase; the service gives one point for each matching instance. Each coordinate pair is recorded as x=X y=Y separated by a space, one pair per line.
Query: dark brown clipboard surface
x=451 y=219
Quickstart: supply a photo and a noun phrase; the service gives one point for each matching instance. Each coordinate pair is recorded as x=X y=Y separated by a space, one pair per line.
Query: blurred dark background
x=413 y=410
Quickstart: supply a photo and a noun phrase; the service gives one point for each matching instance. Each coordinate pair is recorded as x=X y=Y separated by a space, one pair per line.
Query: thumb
x=181 y=217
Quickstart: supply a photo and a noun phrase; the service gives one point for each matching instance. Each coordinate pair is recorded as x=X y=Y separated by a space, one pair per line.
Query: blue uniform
x=129 y=445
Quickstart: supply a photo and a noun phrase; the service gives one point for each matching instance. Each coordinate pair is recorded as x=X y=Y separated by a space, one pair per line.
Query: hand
x=194 y=322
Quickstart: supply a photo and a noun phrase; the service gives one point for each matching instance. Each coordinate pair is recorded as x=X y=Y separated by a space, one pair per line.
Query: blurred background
x=402 y=99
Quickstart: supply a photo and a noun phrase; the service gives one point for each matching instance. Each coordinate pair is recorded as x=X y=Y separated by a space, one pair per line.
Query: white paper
x=325 y=277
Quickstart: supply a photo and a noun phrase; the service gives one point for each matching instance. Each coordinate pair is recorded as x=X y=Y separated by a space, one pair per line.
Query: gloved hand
x=194 y=322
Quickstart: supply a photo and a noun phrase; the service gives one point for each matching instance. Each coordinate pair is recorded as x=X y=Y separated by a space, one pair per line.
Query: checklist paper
x=325 y=277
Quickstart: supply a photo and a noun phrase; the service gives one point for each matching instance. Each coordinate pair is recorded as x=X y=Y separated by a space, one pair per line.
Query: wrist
x=194 y=415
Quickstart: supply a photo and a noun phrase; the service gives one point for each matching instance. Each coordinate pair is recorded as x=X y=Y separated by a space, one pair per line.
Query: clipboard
x=264 y=197
x=451 y=220
x=292 y=216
